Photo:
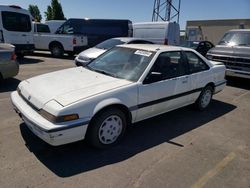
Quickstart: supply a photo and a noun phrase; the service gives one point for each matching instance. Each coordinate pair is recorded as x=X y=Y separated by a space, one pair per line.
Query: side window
x=168 y=65
x=195 y=63
x=41 y=28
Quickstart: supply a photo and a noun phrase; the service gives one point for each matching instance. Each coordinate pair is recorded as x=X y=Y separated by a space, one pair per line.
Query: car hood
x=67 y=86
x=92 y=53
x=221 y=50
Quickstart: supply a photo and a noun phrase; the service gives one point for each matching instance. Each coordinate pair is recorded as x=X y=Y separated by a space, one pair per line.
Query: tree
x=35 y=12
x=48 y=13
x=54 y=11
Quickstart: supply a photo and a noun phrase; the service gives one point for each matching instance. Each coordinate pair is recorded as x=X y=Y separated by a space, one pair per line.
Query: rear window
x=107 y=44
x=13 y=21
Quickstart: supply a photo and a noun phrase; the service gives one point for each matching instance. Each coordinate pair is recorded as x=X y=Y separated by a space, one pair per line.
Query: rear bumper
x=53 y=134
x=24 y=48
x=238 y=73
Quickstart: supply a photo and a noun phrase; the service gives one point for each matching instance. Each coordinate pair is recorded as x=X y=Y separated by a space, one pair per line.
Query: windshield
x=190 y=44
x=124 y=63
x=236 y=39
x=107 y=44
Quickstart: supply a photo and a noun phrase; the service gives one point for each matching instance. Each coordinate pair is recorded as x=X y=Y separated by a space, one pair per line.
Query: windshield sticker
x=143 y=53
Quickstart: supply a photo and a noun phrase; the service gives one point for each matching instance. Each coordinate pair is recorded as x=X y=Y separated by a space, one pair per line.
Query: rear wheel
x=107 y=128
x=56 y=50
x=205 y=98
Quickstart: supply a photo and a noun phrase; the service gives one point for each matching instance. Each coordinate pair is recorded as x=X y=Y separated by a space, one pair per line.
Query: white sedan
x=126 y=84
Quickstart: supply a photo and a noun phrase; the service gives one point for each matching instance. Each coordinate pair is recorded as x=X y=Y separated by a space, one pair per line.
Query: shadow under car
x=75 y=158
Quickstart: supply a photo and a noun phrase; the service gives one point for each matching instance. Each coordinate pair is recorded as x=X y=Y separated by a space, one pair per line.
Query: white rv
x=158 y=32
x=16 y=28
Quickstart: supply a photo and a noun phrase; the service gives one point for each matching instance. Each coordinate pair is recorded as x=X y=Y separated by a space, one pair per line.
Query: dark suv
x=234 y=51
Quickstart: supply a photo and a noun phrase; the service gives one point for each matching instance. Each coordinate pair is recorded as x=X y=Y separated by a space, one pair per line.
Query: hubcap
x=110 y=129
x=206 y=98
x=56 y=51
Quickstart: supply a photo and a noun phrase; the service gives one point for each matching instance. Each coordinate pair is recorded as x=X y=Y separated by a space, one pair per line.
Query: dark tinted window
x=140 y=42
x=195 y=63
x=42 y=28
x=13 y=21
x=190 y=44
x=115 y=28
x=107 y=44
x=169 y=64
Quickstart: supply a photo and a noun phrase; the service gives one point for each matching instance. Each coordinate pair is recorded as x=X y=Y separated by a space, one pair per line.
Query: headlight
x=58 y=119
x=210 y=57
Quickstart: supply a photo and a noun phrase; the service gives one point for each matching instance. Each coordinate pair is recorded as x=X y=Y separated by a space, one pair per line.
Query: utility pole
x=166 y=10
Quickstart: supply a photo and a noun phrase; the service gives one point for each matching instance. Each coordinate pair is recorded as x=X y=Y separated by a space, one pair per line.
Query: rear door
x=17 y=28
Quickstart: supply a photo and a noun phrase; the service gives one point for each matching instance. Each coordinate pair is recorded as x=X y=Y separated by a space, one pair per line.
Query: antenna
x=166 y=10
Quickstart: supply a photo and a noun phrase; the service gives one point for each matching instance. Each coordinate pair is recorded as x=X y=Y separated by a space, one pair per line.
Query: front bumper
x=53 y=134
x=237 y=73
x=79 y=62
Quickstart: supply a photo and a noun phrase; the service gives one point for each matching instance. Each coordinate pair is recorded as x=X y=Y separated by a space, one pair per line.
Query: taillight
x=13 y=56
x=74 y=40
x=166 y=41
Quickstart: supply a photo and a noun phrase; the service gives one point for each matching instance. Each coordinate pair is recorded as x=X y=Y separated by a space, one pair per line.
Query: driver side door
x=165 y=92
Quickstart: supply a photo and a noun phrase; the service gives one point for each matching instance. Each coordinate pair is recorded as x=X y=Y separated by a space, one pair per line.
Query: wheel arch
x=55 y=42
x=211 y=84
x=112 y=103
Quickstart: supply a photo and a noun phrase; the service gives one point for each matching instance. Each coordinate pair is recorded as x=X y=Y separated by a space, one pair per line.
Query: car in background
x=16 y=29
x=54 y=24
x=200 y=46
x=9 y=67
x=88 y=55
x=96 y=30
x=234 y=51
x=127 y=84
x=57 y=44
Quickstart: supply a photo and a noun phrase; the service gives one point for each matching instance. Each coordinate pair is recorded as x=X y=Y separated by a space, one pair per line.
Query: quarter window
x=195 y=63
x=13 y=21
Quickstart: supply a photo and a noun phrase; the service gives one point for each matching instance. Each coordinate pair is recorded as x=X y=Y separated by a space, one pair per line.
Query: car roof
x=154 y=47
x=129 y=39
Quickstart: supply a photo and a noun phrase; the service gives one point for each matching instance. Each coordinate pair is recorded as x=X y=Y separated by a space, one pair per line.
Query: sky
x=141 y=10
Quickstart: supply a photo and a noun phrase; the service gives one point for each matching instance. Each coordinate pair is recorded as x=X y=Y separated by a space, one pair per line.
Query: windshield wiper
x=104 y=72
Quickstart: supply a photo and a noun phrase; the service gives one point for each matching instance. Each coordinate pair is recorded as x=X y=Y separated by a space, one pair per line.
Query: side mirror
x=153 y=77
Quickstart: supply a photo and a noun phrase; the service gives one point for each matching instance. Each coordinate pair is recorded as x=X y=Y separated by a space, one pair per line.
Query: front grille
x=233 y=62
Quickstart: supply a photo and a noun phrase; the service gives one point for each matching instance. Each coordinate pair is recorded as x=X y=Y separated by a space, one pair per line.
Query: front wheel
x=205 y=98
x=107 y=128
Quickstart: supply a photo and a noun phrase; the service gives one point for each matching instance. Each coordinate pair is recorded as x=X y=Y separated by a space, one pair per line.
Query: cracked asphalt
x=182 y=148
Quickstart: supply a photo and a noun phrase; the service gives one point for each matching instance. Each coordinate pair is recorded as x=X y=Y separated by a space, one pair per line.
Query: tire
x=204 y=99
x=1 y=78
x=71 y=54
x=20 y=55
x=56 y=50
x=103 y=133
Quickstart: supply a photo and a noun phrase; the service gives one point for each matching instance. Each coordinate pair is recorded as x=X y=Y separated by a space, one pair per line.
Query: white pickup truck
x=57 y=44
